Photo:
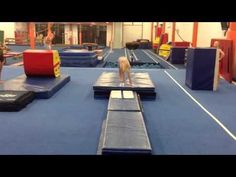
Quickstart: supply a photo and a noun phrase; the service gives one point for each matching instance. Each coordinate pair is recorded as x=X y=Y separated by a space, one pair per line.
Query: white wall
x=168 y=30
x=8 y=28
x=21 y=26
x=185 y=31
x=154 y=30
x=147 y=30
x=75 y=34
x=131 y=33
x=118 y=33
x=109 y=29
x=207 y=31
x=67 y=33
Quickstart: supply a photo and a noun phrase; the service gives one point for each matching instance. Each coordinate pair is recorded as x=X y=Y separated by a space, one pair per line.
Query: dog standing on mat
x=124 y=68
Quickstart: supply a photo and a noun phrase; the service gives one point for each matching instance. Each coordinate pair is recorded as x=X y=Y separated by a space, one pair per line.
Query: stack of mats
x=74 y=47
x=124 y=130
x=15 y=100
x=144 y=44
x=95 y=48
x=132 y=45
x=202 y=68
x=180 y=44
x=78 y=58
x=85 y=46
x=109 y=81
x=177 y=55
x=90 y=46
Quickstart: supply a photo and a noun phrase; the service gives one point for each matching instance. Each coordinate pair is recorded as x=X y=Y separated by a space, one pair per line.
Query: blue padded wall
x=177 y=55
x=200 y=69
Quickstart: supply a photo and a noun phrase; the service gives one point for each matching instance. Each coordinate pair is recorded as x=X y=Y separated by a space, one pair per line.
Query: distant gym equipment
x=164 y=50
x=177 y=55
x=174 y=51
x=132 y=46
x=94 y=47
x=140 y=44
x=85 y=55
x=162 y=39
x=90 y=46
x=140 y=65
x=78 y=58
x=144 y=44
x=180 y=44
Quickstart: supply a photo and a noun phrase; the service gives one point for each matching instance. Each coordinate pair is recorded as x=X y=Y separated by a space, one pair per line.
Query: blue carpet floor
x=67 y=123
x=12 y=60
x=176 y=125
x=143 y=57
x=221 y=103
x=70 y=121
x=115 y=54
x=159 y=59
x=139 y=55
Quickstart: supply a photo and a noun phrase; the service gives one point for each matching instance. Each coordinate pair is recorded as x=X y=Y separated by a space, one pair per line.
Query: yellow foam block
x=56 y=63
x=164 y=50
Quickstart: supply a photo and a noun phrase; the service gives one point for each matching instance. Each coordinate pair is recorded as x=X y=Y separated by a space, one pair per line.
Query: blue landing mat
x=77 y=53
x=78 y=58
x=79 y=63
x=125 y=133
x=42 y=86
x=11 y=101
x=110 y=81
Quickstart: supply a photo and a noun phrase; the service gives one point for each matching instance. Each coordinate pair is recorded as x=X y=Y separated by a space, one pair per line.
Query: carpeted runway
x=70 y=121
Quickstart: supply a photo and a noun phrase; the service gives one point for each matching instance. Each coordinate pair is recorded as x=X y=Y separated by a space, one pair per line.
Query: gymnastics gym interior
x=68 y=100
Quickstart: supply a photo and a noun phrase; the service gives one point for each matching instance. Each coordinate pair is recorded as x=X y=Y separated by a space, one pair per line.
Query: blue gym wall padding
x=201 y=68
x=177 y=55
